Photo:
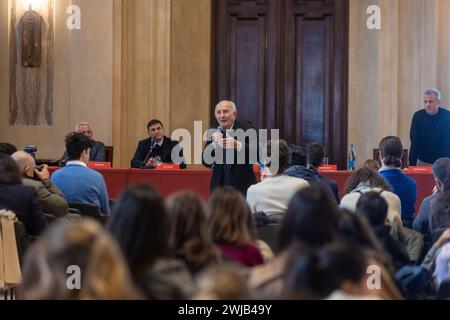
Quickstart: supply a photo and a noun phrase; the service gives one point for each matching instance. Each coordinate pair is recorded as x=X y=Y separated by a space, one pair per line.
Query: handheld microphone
x=223 y=131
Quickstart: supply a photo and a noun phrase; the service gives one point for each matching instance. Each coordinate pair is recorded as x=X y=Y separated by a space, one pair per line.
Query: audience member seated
x=273 y=194
x=440 y=211
x=372 y=164
x=336 y=272
x=7 y=148
x=312 y=219
x=314 y=156
x=441 y=174
x=49 y=196
x=102 y=272
x=355 y=231
x=18 y=198
x=97 y=152
x=366 y=180
x=140 y=224
x=228 y=227
x=429 y=262
x=189 y=237
x=222 y=282
x=157 y=148
x=374 y=208
x=442 y=272
x=391 y=151
x=77 y=182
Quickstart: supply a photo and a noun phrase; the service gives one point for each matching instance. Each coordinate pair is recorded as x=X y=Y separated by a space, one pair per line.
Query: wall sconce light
x=31 y=35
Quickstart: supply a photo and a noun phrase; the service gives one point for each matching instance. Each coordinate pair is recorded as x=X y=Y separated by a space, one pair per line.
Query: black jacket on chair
x=165 y=151
x=23 y=202
x=242 y=175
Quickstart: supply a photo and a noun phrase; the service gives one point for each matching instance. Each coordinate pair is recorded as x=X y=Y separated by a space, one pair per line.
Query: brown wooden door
x=285 y=64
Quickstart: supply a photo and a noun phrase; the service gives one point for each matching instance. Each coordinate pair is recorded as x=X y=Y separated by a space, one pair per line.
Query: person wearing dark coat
x=225 y=147
x=97 y=152
x=375 y=208
x=19 y=199
x=314 y=158
x=156 y=149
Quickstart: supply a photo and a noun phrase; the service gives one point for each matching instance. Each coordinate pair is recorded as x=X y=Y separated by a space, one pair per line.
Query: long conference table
x=197 y=180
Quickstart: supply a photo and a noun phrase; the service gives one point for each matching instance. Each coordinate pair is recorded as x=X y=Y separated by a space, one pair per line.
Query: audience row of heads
x=336 y=246
x=147 y=230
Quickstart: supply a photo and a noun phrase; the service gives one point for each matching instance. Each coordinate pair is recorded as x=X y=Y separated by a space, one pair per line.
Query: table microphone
x=149 y=154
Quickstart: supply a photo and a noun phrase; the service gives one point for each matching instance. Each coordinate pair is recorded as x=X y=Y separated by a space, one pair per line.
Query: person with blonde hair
x=69 y=250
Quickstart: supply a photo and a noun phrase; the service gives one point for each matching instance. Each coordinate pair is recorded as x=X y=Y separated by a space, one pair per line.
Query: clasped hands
x=225 y=143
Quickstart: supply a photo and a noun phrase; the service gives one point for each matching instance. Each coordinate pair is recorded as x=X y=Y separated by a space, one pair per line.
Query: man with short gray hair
x=97 y=153
x=49 y=196
x=230 y=172
x=430 y=131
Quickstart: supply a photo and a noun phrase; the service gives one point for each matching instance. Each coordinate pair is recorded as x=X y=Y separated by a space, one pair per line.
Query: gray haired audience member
x=49 y=196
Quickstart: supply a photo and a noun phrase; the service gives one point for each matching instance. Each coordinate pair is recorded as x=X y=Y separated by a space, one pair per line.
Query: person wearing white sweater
x=273 y=194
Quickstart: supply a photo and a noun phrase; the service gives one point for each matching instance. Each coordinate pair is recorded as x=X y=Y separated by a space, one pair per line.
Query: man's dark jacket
x=164 y=151
x=23 y=202
x=242 y=176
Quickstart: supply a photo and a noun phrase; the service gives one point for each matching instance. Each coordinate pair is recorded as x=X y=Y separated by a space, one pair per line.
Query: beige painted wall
x=191 y=66
x=83 y=78
x=138 y=59
x=390 y=68
x=161 y=69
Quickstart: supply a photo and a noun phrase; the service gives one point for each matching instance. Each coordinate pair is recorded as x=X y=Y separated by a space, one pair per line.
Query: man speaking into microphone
x=155 y=149
x=230 y=171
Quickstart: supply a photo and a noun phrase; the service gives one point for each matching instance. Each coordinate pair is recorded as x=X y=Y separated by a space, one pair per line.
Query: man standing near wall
x=430 y=131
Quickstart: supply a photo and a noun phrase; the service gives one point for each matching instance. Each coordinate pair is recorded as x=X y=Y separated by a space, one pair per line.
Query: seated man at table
x=156 y=149
x=77 y=182
x=97 y=153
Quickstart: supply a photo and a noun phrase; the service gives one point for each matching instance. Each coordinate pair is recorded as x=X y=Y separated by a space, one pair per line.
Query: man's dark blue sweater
x=430 y=136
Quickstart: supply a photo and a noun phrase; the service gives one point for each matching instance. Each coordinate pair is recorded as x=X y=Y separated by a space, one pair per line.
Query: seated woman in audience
x=372 y=164
x=374 y=208
x=429 y=262
x=99 y=271
x=312 y=219
x=222 y=282
x=336 y=272
x=440 y=212
x=356 y=232
x=189 y=237
x=228 y=227
x=19 y=199
x=442 y=273
x=141 y=226
x=365 y=180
